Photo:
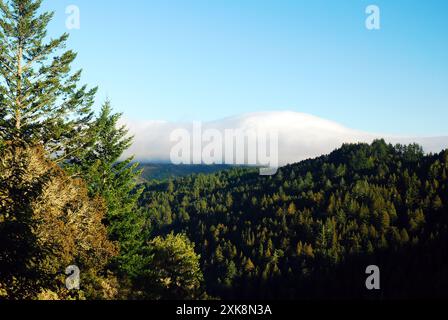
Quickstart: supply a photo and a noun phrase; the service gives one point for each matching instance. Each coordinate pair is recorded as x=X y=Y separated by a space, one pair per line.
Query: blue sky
x=180 y=60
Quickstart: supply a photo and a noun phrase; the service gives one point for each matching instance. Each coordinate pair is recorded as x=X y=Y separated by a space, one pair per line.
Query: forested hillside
x=162 y=171
x=75 y=224
x=311 y=230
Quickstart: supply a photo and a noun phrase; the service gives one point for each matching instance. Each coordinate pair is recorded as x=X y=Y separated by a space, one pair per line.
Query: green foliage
x=42 y=104
x=116 y=182
x=173 y=271
x=276 y=236
x=302 y=233
x=40 y=97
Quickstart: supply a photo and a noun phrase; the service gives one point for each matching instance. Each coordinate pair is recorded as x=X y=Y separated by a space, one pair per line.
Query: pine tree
x=437 y=203
x=231 y=272
x=404 y=236
x=40 y=97
x=249 y=266
x=291 y=209
x=299 y=248
x=384 y=220
x=308 y=250
x=115 y=182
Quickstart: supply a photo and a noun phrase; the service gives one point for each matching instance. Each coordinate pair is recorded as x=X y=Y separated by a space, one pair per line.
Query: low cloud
x=301 y=136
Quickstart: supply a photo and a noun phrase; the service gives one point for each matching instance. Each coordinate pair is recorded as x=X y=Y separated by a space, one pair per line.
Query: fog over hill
x=301 y=136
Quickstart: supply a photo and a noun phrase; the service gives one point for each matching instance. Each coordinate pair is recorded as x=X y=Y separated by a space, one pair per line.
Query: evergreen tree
x=231 y=272
x=40 y=97
x=249 y=266
x=115 y=181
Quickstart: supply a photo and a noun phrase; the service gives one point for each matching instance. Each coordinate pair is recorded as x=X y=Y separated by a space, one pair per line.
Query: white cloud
x=301 y=136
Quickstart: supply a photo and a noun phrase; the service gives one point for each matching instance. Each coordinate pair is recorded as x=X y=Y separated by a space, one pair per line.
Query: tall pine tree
x=115 y=181
x=41 y=101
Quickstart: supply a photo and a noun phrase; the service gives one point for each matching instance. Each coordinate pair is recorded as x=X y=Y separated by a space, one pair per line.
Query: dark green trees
x=306 y=232
x=116 y=182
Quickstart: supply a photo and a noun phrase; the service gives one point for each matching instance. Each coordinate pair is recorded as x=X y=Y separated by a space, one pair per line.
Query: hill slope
x=311 y=230
x=164 y=171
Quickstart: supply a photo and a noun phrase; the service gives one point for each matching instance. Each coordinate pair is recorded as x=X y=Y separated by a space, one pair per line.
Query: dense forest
x=164 y=171
x=311 y=230
x=76 y=224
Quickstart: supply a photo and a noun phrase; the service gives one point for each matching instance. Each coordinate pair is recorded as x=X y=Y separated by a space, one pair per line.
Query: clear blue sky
x=208 y=59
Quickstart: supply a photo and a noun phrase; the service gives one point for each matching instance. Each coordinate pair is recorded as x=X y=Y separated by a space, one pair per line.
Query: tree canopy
x=311 y=230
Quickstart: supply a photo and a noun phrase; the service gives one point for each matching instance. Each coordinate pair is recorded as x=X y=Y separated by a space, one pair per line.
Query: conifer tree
x=249 y=265
x=40 y=96
x=115 y=181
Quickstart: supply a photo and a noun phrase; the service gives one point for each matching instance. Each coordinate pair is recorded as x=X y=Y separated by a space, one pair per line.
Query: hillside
x=311 y=230
x=163 y=171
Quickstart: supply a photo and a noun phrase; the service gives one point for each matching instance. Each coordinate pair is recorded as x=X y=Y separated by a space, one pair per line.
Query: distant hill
x=164 y=171
x=311 y=230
